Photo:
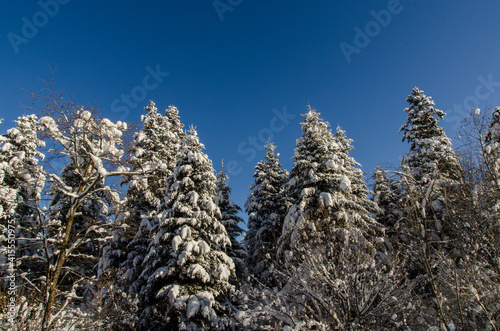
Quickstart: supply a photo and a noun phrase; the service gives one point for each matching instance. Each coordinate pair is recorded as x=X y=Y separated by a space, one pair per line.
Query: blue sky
x=242 y=70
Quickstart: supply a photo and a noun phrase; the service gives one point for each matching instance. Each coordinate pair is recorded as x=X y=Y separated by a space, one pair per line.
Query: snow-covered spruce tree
x=437 y=223
x=230 y=219
x=331 y=249
x=431 y=161
x=93 y=154
x=21 y=184
x=153 y=156
x=152 y=160
x=19 y=169
x=266 y=208
x=186 y=271
x=326 y=189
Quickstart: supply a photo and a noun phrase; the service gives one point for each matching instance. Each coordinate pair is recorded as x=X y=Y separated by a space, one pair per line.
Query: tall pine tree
x=230 y=219
x=326 y=187
x=21 y=184
x=154 y=152
x=432 y=163
x=266 y=208
x=186 y=271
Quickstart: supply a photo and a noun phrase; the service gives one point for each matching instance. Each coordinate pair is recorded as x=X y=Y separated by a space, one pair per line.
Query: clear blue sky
x=233 y=68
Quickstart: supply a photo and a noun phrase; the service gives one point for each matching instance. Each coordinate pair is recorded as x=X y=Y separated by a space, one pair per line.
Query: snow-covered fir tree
x=186 y=271
x=21 y=184
x=431 y=156
x=326 y=188
x=230 y=219
x=154 y=152
x=431 y=162
x=266 y=207
x=331 y=248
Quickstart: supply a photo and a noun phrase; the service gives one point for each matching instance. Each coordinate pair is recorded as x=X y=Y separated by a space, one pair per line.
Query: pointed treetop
x=192 y=130
x=270 y=147
x=222 y=176
x=421 y=122
x=151 y=107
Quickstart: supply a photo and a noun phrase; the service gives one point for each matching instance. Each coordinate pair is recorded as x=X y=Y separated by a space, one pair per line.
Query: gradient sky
x=241 y=70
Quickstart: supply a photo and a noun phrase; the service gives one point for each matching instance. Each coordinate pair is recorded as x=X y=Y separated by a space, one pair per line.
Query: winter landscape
x=191 y=201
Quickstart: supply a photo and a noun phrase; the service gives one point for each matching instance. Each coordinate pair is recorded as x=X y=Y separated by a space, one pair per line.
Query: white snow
x=223 y=272
x=345 y=183
x=330 y=164
x=159 y=273
x=185 y=232
x=86 y=115
x=197 y=271
x=327 y=198
x=308 y=191
x=182 y=257
x=193 y=198
x=192 y=307
x=204 y=247
x=173 y=293
x=191 y=246
x=176 y=242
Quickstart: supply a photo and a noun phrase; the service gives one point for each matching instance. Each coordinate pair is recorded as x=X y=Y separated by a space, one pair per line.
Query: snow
x=194 y=157
x=86 y=115
x=183 y=257
x=192 y=307
x=176 y=241
x=173 y=293
x=327 y=198
x=159 y=273
x=345 y=183
x=330 y=164
x=185 y=232
x=198 y=272
x=223 y=272
x=204 y=247
x=190 y=246
x=308 y=191
x=193 y=198
x=210 y=205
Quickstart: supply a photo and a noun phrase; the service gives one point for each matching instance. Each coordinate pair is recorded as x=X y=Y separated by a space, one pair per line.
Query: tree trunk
x=52 y=286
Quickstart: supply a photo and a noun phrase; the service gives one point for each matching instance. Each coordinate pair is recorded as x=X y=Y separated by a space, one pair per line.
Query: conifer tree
x=230 y=219
x=326 y=188
x=431 y=155
x=266 y=209
x=331 y=248
x=432 y=164
x=21 y=184
x=154 y=151
x=186 y=271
